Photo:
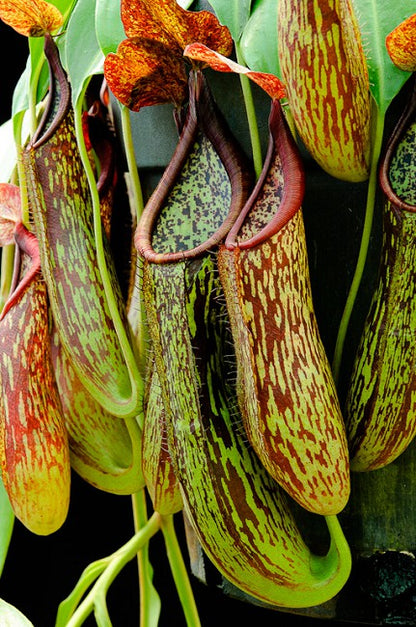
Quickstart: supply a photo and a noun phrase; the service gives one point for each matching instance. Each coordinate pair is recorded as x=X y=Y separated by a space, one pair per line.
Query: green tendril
x=7 y=265
x=378 y=130
x=135 y=188
x=179 y=572
x=103 y=572
x=251 y=116
x=150 y=603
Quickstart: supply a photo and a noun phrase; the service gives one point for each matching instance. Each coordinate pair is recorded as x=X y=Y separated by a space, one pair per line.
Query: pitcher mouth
x=281 y=143
x=202 y=116
x=407 y=117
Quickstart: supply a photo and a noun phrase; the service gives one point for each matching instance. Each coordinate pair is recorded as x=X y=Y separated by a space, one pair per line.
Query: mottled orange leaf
x=157 y=19
x=148 y=67
x=137 y=77
x=32 y=18
x=269 y=82
x=10 y=212
x=401 y=44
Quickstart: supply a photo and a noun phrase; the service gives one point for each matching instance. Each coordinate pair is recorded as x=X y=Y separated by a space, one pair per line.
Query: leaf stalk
x=378 y=130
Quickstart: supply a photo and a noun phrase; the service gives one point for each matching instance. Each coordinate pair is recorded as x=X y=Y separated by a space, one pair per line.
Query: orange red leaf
x=148 y=67
x=269 y=82
x=167 y=21
x=401 y=44
x=138 y=78
x=32 y=18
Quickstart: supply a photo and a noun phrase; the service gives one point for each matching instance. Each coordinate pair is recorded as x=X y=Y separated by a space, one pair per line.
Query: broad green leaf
x=39 y=71
x=185 y=4
x=10 y=616
x=259 y=39
x=65 y=7
x=108 y=25
x=232 y=13
x=6 y=528
x=20 y=100
x=83 y=56
x=8 y=154
x=377 y=19
x=35 y=76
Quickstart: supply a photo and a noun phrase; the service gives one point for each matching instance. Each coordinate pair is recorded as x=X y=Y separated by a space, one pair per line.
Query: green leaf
x=6 y=528
x=108 y=25
x=185 y=4
x=8 y=153
x=65 y=6
x=39 y=71
x=259 y=39
x=20 y=101
x=83 y=55
x=35 y=66
x=377 y=19
x=233 y=13
x=12 y=617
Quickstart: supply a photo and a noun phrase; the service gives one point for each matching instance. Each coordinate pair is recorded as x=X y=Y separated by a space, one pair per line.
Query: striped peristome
x=324 y=70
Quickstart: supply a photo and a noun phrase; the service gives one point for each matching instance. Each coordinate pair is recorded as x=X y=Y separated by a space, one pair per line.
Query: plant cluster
x=190 y=372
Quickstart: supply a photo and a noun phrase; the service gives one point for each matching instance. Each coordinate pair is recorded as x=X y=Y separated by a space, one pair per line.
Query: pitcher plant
x=162 y=340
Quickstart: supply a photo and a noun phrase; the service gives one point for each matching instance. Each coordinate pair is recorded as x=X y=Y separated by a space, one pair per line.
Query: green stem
x=179 y=572
x=21 y=172
x=137 y=316
x=135 y=187
x=7 y=519
x=7 y=266
x=136 y=311
x=90 y=574
x=365 y=240
x=290 y=120
x=33 y=90
x=96 y=598
x=149 y=598
x=251 y=116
